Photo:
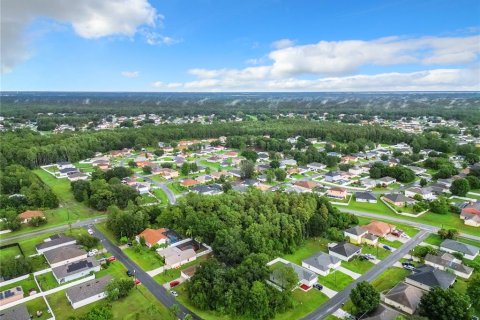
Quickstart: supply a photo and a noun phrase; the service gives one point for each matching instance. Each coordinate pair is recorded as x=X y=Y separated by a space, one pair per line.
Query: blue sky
x=142 y=45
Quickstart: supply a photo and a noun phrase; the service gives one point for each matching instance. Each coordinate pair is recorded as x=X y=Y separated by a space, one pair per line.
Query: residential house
x=428 y=277
x=310 y=185
x=337 y=193
x=469 y=252
x=78 y=269
x=88 y=292
x=333 y=176
x=447 y=262
x=470 y=213
x=305 y=276
x=75 y=176
x=379 y=228
x=204 y=178
x=28 y=215
x=404 y=297
x=369 y=183
x=230 y=154
x=53 y=242
x=212 y=189
x=316 y=166
x=386 y=181
x=65 y=165
x=153 y=237
x=175 y=257
x=189 y=182
x=426 y=193
x=344 y=251
x=235 y=173
x=11 y=295
x=167 y=173
x=18 y=312
x=188 y=272
x=398 y=199
x=321 y=263
x=64 y=255
x=63 y=173
x=356 y=170
x=383 y=313
x=142 y=187
x=365 y=197
x=417 y=170
x=288 y=163
x=355 y=234
x=348 y=159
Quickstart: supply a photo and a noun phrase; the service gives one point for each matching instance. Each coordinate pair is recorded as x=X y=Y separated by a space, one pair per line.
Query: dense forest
x=93 y=106
x=246 y=231
x=33 y=149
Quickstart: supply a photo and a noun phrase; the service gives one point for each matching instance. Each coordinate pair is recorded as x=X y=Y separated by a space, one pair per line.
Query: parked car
x=411 y=268
x=369 y=256
x=174 y=293
x=137 y=282
x=90 y=231
x=129 y=273
x=387 y=247
x=318 y=286
x=111 y=259
x=174 y=283
x=92 y=252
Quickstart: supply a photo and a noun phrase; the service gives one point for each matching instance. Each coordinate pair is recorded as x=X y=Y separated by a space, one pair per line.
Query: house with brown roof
x=187 y=273
x=404 y=297
x=230 y=154
x=189 y=182
x=337 y=192
x=470 y=213
x=379 y=228
x=28 y=215
x=306 y=184
x=153 y=236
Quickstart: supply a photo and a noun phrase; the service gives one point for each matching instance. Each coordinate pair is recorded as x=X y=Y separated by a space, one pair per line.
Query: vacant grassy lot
x=304 y=303
x=389 y=278
x=160 y=194
x=378 y=207
x=176 y=188
x=10 y=253
x=358 y=265
x=336 y=280
x=310 y=247
x=145 y=258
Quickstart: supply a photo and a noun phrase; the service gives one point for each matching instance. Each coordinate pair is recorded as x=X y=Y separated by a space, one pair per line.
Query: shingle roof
x=88 y=289
x=383 y=313
x=365 y=196
x=74 y=267
x=448 y=261
x=18 y=312
x=345 y=249
x=357 y=230
x=405 y=295
x=64 y=253
x=321 y=261
x=433 y=277
x=54 y=241
x=397 y=197
x=459 y=246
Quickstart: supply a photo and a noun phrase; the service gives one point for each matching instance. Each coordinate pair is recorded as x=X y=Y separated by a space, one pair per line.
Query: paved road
x=423 y=226
x=77 y=224
x=336 y=302
x=156 y=289
x=170 y=195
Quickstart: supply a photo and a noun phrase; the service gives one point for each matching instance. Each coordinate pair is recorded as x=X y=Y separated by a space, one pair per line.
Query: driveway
x=336 y=302
x=156 y=289
x=170 y=195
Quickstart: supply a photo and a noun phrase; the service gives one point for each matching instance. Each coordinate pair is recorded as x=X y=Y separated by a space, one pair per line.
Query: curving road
x=170 y=195
x=156 y=289
x=337 y=301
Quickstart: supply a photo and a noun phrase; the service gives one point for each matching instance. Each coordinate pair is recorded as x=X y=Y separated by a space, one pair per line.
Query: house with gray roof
x=365 y=197
x=383 y=313
x=88 y=292
x=427 y=277
x=64 y=255
x=75 y=270
x=404 y=297
x=344 y=251
x=305 y=276
x=469 y=252
x=55 y=241
x=447 y=262
x=398 y=199
x=18 y=312
x=321 y=263
x=355 y=234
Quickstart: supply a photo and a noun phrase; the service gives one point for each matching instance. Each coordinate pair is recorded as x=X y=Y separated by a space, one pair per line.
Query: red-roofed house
x=153 y=236
x=189 y=182
x=30 y=214
x=337 y=192
x=306 y=184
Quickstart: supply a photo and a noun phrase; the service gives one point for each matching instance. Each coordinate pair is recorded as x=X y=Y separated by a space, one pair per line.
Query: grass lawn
x=47 y=281
x=310 y=247
x=358 y=265
x=393 y=244
x=146 y=199
x=176 y=188
x=140 y=304
x=157 y=177
x=102 y=227
x=160 y=194
x=27 y=285
x=172 y=274
x=461 y=286
x=410 y=231
x=303 y=304
x=213 y=165
x=473 y=196
x=145 y=258
x=389 y=278
x=448 y=221
x=10 y=253
x=380 y=253
x=335 y=280
x=38 y=305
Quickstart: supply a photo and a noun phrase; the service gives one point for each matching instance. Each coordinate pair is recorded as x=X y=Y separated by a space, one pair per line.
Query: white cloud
x=283 y=43
x=90 y=19
x=130 y=74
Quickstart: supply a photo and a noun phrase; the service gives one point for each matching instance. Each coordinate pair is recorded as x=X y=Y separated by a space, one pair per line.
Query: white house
x=447 y=262
x=345 y=251
x=426 y=193
x=88 y=292
x=75 y=270
x=64 y=255
x=355 y=234
x=469 y=252
x=316 y=166
x=55 y=241
x=321 y=263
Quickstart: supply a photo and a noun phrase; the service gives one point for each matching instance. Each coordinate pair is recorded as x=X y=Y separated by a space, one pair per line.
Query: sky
x=226 y=45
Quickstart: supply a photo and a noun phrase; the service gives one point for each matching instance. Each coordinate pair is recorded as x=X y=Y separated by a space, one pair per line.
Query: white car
x=174 y=293
x=90 y=231
x=92 y=252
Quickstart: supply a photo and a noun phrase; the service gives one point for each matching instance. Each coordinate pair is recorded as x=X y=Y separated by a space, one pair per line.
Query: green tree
x=185 y=169
x=473 y=290
x=119 y=288
x=446 y=304
x=274 y=164
x=365 y=297
x=250 y=155
x=247 y=169
x=147 y=170
x=423 y=182
x=439 y=206
x=280 y=174
x=460 y=187
x=258 y=302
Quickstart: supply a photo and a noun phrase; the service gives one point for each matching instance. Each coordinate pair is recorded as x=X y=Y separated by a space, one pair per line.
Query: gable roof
x=64 y=253
x=345 y=249
x=432 y=277
x=459 y=247
x=365 y=196
x=31 y=214
x=321 y=261
x=405 y=295
x=448 y=261
x=306 y=184
x=357 y=230
x=88 y=289
x=152 y=236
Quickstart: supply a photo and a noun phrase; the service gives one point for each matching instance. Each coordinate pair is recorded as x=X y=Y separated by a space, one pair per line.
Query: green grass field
x=310 y=247
x=10 y=253
x=304 y=303
x=38 y=305
x=389 y=278
x=335 y=280
x=27 y=285
x=358 y=265
x=176 y=188
x=47 y=281
x=160 y=194
x=145 y=258
x=435 y=240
